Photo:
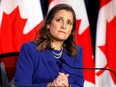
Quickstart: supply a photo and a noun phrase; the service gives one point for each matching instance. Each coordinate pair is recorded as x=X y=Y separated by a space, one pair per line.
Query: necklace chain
x=57 y=55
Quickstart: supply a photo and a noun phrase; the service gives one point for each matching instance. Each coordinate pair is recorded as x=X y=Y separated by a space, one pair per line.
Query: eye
x=69 y=22
x=59 y=20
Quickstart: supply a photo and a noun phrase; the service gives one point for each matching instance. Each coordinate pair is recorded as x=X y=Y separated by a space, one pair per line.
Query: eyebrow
x=62 y=18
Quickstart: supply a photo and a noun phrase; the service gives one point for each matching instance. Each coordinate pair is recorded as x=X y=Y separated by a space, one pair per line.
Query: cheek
x=69 y=31
x=52 y=25
x=52 y=30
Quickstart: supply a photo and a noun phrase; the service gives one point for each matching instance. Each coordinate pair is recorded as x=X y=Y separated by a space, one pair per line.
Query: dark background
x=92 y=7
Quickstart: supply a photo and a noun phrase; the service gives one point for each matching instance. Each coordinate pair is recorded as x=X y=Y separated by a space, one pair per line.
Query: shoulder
x=79 y=48
x=79 y=53
x=29 y=51
x=29 y=45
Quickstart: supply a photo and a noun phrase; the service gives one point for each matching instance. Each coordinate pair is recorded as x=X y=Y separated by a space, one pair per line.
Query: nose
x=63 y=25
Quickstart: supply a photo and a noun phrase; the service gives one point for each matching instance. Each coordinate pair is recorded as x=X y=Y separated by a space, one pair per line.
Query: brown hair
x=45 y=38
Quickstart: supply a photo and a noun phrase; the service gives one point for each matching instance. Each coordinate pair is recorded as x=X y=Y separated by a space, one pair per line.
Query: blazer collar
x=50 y=63
x=53 y=68
x=72 y=62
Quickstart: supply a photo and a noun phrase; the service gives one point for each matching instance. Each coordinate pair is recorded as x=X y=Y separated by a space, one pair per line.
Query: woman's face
x=61 y=25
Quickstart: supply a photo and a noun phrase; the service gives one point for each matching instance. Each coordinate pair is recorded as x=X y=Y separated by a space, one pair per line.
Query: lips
x=62 y=32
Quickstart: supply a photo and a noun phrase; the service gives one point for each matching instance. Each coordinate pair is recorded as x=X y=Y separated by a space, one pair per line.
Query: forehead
x=64 y=13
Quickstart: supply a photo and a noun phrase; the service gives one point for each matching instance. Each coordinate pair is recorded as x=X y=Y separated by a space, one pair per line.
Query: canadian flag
x=105 y=44
x=83 y=37
x=19 y=22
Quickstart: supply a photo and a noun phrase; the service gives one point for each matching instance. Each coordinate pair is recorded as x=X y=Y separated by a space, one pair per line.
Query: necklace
x=57 y=55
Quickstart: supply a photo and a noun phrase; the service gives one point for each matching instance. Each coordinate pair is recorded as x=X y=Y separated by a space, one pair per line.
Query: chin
x=61 y=39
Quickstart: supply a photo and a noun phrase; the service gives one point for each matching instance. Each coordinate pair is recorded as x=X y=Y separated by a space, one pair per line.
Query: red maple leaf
x=109 y=48
x=11 y=32
x=12 y=37
x=84 y=40
x=103 y=2
x=50 y=1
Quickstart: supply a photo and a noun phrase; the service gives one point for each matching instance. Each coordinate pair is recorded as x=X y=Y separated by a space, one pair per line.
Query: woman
x=39 y=61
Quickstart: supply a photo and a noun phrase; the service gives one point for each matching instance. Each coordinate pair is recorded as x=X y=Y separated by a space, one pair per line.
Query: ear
x=48 y=26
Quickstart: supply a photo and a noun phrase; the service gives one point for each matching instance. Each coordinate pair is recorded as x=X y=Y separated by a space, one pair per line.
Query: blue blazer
x=35 y=68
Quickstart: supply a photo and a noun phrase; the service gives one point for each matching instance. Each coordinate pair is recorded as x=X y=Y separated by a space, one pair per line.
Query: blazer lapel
x=50 y=63
x=72 y=62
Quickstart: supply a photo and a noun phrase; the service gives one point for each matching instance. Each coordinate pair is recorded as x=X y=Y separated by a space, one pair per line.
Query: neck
x=57 y=45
